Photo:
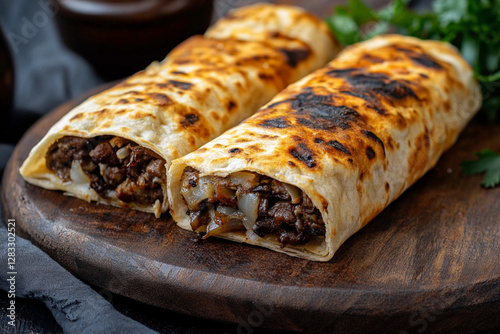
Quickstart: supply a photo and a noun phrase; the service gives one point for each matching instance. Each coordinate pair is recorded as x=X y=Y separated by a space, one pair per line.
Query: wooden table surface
x=430 y=259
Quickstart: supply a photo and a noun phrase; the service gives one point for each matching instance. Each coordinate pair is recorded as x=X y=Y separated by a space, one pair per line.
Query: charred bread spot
x=339 y=147
x=341 y=73
x=372 y=102
x=447 y=105
x=255 y=148
x=374 y=137
x=329 y=118
x=180 y=84
x=318 y=113
x=350 y=161
x=318 y=141
x=375 y=84
x=178 y=72
x=387 y=187
x=381 y=85
x=266 y=77
x=420 y=58
x=161 y=85
x=390 y=143
x=231 y=105
x=214 y=115
x=370 y=153
x=371 y=59
x=268 y=137
x=124 y=101
x=189 y=120
x=291 y=163
x=401 y=120
x=278 y=123
x=139 y=100
x=324 y=204
x=160 y=99
x=101 y=112
x=234 y=150
x=361 y=176
x=295 y=56
x=419 y=156
x=77 y=116
x=304 y=154
x=139 y=115
x=182 y=61
x=423 y=75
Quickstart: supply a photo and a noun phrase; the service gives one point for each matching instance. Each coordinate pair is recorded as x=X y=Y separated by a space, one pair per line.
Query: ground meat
x=136 y=178
x=282 y=212
x=278 y=190
x=104 y=153
x=98 y=184
x=292 y=224
x=62 y=153
x=224 y=196
x=139 y=159
x=113 y=175
x=129 y=191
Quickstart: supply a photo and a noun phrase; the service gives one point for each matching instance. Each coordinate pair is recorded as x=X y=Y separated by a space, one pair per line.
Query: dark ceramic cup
x=120 y=37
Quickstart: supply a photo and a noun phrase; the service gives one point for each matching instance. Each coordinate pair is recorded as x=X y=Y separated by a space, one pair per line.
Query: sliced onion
x=194 y=195
x=250 y=234
x=222 y=223
x=228 y=211
x=249 y=205
x=123 y=152
x=102 y=167
x=294 y=193
x=77 y=174
x=247 y=180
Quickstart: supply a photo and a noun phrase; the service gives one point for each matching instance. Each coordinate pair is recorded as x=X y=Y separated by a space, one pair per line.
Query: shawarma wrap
x=329 y=152
x=116 y=147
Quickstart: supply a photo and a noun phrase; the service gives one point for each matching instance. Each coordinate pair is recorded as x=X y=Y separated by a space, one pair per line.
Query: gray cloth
x=75 y=306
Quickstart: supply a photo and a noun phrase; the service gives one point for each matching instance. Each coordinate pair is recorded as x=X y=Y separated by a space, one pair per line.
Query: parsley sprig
x=488 y=162
x=473 y=26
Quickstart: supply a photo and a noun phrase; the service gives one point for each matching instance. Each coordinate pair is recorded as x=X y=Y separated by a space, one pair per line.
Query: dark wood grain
x=431 y=259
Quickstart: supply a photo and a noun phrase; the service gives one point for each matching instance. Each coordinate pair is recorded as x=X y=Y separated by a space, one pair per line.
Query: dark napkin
x=75 y=306
x=46 y=75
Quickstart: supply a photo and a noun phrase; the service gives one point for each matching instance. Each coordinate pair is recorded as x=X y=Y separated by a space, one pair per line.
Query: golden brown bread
x=203 y=87
x=353 y=135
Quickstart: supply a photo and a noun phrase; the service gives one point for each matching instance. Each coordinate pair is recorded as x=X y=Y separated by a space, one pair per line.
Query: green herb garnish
x=489 y=162
x=473 y=26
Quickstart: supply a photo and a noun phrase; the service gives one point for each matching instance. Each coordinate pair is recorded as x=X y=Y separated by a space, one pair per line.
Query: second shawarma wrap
x=331 y=151
x=115 y=147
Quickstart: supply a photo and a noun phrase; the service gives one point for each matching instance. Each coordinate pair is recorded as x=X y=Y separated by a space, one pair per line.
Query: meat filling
x=246 y=201
x=111 y=165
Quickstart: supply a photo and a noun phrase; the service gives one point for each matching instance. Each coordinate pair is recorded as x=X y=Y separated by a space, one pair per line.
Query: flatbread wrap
x=116 y=147
x=329 y=152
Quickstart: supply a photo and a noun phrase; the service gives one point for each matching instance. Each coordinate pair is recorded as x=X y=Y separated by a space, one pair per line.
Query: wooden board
x=430 y=260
